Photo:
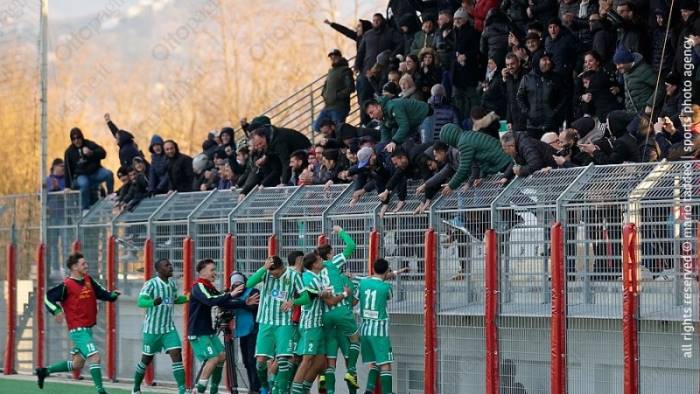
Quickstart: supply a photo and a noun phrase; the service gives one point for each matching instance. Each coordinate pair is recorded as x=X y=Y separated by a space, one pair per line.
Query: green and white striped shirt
x=275 y=292
x=159 y=319
x=336 y=280
x=312 y=313
x=374 y=297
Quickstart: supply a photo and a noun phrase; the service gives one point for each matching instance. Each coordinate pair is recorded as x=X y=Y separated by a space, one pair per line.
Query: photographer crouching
x=203 y=336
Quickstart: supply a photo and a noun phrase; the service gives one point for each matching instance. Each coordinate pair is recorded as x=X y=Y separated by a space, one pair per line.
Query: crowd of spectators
x=451 y=92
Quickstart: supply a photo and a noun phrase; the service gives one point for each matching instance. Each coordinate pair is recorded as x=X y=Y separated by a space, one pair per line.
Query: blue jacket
x=202 y=299
x=245 y=317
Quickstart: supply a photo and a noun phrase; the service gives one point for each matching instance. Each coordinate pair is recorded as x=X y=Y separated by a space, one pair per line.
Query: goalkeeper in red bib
x=76 y=299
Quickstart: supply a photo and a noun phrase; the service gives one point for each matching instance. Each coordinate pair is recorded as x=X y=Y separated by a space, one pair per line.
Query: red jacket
x=481 y=9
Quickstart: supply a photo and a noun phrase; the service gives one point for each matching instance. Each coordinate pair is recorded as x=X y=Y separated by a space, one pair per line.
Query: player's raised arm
x=347 y=240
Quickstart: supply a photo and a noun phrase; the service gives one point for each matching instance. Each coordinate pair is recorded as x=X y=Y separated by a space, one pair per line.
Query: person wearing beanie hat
x=125 y=142
x=563 y=46
x=390 y=89
x=640 y=81
x=466 y=70
x=84 y=171
x=541 y=98
x=673 y=102
x=361 y=27
x=462 y=14
x=337 y=89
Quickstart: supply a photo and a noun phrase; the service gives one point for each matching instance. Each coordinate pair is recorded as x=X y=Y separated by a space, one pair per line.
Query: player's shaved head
x=380 y=266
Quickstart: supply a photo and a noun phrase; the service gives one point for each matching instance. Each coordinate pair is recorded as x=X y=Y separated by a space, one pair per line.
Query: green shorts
x=376 y=350
x=334 y=341
x=338 y=325
x=206 y=346
x=82 y=342
x=311 y=342
x=275 y=341
x=154 y=343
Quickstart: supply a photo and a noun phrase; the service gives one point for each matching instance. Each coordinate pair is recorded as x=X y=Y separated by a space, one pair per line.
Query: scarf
x=206 y=284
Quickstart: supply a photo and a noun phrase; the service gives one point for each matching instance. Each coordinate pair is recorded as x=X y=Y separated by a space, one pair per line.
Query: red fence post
x=558 y=324
x=75 y=247
x=272 y=245
x=149 y=374
x=40 y=289
x=630 y=310
x=430 y=316
x=322 y=240
x=372 y=255
x=9 y=366
x=187 y=282
x=228 y=260
x=490 y=312
x=111 y=328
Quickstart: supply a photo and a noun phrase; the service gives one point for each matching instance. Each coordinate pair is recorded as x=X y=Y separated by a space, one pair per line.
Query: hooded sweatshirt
x=125 y=141
x=158 y=172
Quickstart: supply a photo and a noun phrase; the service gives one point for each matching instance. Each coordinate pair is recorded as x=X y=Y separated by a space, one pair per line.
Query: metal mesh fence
x=461 y=220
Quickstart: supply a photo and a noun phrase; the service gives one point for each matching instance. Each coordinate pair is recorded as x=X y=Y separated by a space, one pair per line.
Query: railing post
x=430 y=318
x=9 y=365
x=558 y=323
x=40 y=289
x=272 y=245
x=187 y=280
x=111 y=328
x=149 y=375
x=372 y=255
x=490 y=312
x=228 y=260
x=630 y=312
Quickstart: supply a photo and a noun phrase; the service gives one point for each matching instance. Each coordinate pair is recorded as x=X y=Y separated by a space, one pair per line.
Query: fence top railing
x=310 y=201
x=542 y=188
x=143 y=211
x=670 y=181
x=218 y=206
x=608 y=184
x=101 y=213
x=480 y=197
x=367 y=204
x=179 y=207
x=262 y=203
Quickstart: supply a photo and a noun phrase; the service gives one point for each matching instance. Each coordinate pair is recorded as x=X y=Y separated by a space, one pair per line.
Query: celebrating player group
x=303 y=313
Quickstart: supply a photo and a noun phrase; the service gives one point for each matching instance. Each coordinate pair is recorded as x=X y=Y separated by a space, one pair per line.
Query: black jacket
x=514 y=115
x=375 y=42
x=492 y=96
x=467 y=43
x=563 y=50
x=658 y=36
x=267 y=175
x=79 y=164
x=541 y=100
x=603 y=41
x=516 y=10
x=494 y=39
x=622 y=146
x=125 y=141
x=282 y=143
x=202 y=299
x=180 y=173
x=602 y=100
x=137 y=192
x=532 y=155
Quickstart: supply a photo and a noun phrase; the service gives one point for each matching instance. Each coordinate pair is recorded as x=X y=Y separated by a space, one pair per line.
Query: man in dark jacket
x=541 y=99
x=562 y=45
x=337 y=88
x=473 y=147
x=425 y=38
x=379 y=39
x=125 y=140
x=84 y=170
x=447 y=161
x=494 y=39
x=407 y=165
x=530 y=155
x=158 y=182
x=602 y=38
x=466 y=70
x=511 y=76
x=180 y=172
x=618 y=146
x=278 y=143
x=517 y=12
x=202 y=334
x=401 y=119
x=445 y=39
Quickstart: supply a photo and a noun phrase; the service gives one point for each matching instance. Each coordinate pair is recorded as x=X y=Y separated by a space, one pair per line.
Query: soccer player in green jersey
x=276 y=332
x=375 y=294
x=311 y=344
x=339 y=326
x=76 y=300
x=159 y=296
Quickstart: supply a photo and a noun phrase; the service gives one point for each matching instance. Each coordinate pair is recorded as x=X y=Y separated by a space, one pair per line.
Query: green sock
x=138 y=375
x=202 y=385
x=298 y=388
x=179 y=374
x=284 y=368
x=330 y=380
x=96 y=372
x=261 y=370
x=353 y=354
x=372 y=379
x=386 y=382
x=216 y=378
x=61 y=366
x=307 y=386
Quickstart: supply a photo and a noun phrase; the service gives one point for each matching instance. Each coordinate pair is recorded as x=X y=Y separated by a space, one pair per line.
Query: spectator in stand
x=408 y=89
x=370 y=173
x=298 y=163
x=595 y=87
x=529 y=155
x=689 y=33
x=85 y=172
x=542 y=10
x=227 y=147
x=640 y=81
x=227 y=178
x=492 y=90
x=570 y=155
x=552 y=139
x=392 y=90
x=494 y=40
x=407 y=164
x=401 y=119
x=425 y=38
x=56 y=181
x=511 y=76
x=409 y=26
x=485 y=122
x=123 y=191
x=327 y=173
x=377 y=40
x=533 y=43
x=540 y=97
x=562 y=46
x=474 y=149
x=603 y=39
x=481 y=11
x=206 y=176
x=409 y=66
x=466 y=70
x=158 y=171
x=618 y=146
x=641 y=129
x=659 y=39
x=445 y=39
x=673 y=100
x=630 y=28
x=446 y=159
x=243 y=159
x=327 y=128
x=139 y=184
x=361 y=27
x=336 y=92
x=180 y=172
x=125 y=140
x=517 y=12
x=429 y=73
x=569 y=7
x=442 y=113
